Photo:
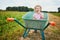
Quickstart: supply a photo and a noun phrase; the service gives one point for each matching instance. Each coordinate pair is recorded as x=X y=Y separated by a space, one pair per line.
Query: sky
x=47 y=5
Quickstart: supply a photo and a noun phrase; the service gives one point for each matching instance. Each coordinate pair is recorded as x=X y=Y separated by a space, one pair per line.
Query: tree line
x=20 y=8
x=59 y=9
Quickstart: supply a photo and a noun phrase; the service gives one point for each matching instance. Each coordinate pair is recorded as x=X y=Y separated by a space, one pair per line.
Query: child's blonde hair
x=38 y=6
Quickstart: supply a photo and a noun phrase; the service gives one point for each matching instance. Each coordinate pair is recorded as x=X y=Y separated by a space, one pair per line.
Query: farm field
x=56 y=14
x=13 y=31
x=10 y=30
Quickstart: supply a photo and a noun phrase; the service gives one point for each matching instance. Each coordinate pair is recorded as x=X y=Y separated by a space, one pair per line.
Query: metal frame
x=28 y=29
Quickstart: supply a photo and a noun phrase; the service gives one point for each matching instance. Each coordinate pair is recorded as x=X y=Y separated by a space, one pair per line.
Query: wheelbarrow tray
x=35 y=24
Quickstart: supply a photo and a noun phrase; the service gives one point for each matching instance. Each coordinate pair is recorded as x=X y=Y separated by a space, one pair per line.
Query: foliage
x=59 y=9
x=20 y=8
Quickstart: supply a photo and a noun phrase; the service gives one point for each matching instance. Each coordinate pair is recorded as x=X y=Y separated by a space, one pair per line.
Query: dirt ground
x=51 y=33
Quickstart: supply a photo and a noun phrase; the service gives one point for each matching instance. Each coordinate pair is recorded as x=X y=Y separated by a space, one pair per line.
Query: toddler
x=37 y=15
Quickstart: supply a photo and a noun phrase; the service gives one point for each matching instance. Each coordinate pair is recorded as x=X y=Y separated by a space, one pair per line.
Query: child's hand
x=41 y=16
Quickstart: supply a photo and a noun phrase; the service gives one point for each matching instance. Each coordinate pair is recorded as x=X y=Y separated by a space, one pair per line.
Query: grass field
x=56 y=14
x=11 y=30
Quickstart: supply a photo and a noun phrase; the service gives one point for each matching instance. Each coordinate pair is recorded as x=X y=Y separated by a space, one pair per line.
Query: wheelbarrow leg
x=35 y=31
x=42 y=34
x=26 y=32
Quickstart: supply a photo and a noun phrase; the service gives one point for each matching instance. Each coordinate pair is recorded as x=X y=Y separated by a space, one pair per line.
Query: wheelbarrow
x=30 y=23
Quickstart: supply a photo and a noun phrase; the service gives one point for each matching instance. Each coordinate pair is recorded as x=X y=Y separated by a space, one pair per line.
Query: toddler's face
x=37 y=9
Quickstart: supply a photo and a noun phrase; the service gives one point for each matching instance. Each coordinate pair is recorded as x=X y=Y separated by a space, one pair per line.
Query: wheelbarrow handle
x=13 y=19
x=10 y=19
x=52 y=23
x=19 y=23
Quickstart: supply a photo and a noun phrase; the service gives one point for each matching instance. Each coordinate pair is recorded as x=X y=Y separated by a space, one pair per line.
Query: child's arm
x=34 y=17
x=42 y=15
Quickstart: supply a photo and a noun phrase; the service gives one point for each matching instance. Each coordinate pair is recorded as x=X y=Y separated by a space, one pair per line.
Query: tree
x=8 y=8
x=59 y=9
x=30 y=9
x=20 y=8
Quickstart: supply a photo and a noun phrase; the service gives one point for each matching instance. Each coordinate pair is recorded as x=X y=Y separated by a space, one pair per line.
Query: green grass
x=10 y=30
x=56 y=14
